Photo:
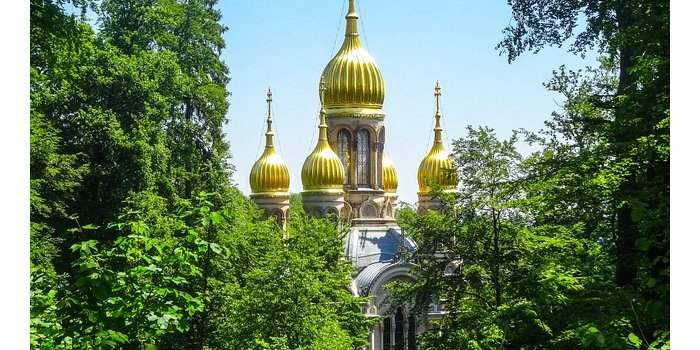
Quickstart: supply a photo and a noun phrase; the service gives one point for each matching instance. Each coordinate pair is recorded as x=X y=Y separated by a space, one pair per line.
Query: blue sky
x=286 y=44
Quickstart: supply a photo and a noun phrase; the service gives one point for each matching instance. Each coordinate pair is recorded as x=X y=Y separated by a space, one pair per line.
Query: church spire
x=351 y=20
x=269 y=134
x=438 y=128
x=322 y=126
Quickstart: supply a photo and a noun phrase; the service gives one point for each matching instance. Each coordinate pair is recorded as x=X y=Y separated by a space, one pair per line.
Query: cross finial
x=269 y=133
x=269 y=103
x=438 y=93
x=322 y=133
x=351 y=6
x=322 y=90
x=438 y=128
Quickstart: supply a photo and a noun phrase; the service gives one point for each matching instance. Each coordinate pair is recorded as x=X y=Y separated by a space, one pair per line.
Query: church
x=348 y=175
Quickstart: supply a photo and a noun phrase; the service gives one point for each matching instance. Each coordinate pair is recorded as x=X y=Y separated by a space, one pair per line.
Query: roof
x=372 y=274
x=368 y=245
x=368 y=275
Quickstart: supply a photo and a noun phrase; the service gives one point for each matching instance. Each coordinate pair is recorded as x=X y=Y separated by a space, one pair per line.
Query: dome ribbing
x=322 y=170
x=389 y=175
x=437 y=167
x=269 y=175
x=354 y=84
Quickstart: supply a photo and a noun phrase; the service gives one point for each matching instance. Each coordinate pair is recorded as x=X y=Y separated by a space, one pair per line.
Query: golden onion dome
x=322 y=170
x=389 y=174
x=437 y=167
x=355 y=87
x=269 y=175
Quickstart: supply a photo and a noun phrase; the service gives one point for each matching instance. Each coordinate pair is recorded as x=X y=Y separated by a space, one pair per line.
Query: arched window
x=386 y=334
x=332 y=213
x=412 y=332
x=368 y=211
x=363 y=158
x=344 y=152
x=399 y=343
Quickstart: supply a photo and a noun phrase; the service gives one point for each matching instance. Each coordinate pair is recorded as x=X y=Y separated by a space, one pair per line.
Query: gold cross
x=438 y=93
x=269 y=101
x=322 y=89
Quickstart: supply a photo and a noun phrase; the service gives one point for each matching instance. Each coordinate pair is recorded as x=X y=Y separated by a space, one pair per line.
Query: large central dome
x=354 y=84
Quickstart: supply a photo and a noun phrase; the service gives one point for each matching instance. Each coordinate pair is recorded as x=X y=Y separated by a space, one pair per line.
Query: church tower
x=437 y=167
x=269 y=176
x=353 y=100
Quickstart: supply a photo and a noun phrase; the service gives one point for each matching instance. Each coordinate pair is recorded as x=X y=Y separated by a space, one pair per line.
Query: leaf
x=633 y=340
x=592 y=337
x=643 y=244
x=216 y=218
x=215 y=248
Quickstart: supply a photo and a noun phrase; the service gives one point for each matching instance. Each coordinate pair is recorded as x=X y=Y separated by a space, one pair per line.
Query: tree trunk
x=627 y=231
x=496 y=259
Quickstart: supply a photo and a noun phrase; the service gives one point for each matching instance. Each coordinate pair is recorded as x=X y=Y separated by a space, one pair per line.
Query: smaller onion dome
x=269 y=175
x=322 y=170
x=437 y=166
x=389 y=174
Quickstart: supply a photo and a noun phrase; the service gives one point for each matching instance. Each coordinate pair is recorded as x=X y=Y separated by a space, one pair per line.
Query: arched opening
x=399 y=342
x=333 y=214
x=344 y=152
x=386 y=334
x=363 y=159
x=412 y=332
x=368 y=211
x=399 y=330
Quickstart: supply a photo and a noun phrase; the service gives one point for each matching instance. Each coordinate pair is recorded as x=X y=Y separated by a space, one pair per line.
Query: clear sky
x=286 y=44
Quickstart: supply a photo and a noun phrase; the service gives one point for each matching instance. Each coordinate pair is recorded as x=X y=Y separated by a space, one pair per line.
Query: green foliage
x=143 y=284
x=522 y=257
x=614 y=127
x=292 y=294
x=568 y=247
x=138 y=239
x=513 y=283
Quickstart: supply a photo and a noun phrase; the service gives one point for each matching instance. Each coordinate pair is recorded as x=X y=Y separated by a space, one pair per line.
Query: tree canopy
x=567 y=247
x=138 y=237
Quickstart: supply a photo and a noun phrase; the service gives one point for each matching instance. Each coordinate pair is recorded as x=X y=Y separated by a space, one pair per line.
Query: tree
x=621 y=111
x=192 y=32
x=592 y=209
x=504 y=280
x=138 y=237
x=292 y=293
